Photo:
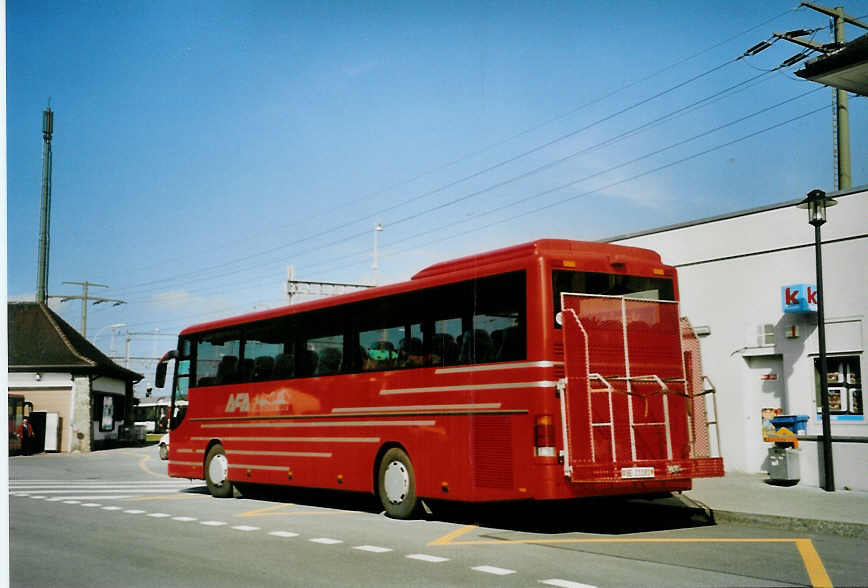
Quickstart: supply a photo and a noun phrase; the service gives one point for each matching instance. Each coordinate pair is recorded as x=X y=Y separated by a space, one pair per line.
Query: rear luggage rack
x=610 y=436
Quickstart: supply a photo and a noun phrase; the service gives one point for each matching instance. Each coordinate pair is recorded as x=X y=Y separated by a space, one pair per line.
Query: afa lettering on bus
x=241 y=401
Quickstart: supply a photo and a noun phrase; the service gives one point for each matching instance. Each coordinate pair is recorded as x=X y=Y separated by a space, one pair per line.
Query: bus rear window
x=610 y=285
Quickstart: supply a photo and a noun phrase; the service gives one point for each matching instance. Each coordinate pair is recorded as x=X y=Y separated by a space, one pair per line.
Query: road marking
x=35 y=497
x=90 y=504
x=72 y=502
x=372 y=548
x=213 y=523
x=145 y=468
x=276 y=511
x=565 y=583
x=104 y=490
x=164 y=497
x=245 y=528
x=448 y=537
x=813 y=563
x=325 y=541
x=493 y=570
x=159 y=515
x=284 y=534
x=424 y=557
x=134 y=511
x=810 y=558
x=112 y=508
x=183 y=519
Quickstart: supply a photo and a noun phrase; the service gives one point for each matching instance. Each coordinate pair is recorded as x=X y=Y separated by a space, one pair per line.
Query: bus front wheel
x=217 y=473
x=396 y=484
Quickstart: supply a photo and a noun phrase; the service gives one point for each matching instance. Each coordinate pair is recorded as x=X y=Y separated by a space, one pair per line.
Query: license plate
x=632 y=473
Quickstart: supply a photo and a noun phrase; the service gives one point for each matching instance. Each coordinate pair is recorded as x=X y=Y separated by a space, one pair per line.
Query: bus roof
x=434 y=274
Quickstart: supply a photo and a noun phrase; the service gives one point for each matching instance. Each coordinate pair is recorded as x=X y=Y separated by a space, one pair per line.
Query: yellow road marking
x=147 y=470
x=447 y=539
x=813 y=563
x=275 y=511
x=810 y=558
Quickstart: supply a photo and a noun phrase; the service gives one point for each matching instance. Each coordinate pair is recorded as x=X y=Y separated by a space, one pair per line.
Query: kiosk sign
x=799 y=298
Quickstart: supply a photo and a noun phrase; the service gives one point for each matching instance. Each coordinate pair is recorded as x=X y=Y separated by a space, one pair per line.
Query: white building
x=734 y=271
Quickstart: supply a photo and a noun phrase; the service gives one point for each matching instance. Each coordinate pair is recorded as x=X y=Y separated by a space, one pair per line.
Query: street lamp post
x=377 y=229
x=816 y=203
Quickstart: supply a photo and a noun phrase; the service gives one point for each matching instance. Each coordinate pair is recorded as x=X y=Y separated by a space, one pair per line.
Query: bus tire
x=217 y=473
x=396 y=484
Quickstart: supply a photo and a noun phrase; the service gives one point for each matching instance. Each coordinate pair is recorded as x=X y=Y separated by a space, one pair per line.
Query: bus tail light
x=544 y=436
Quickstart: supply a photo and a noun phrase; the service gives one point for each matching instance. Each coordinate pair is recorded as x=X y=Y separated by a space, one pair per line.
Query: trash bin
x=784 y=464
x=797 y=423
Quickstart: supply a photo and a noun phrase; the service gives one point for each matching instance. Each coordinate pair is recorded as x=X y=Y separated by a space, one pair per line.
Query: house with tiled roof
x=57 y=371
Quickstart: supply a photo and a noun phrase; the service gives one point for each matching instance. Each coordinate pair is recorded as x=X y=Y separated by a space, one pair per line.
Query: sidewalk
x=748 y=498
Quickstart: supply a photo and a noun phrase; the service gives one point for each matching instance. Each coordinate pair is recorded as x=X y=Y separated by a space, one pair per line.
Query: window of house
x=844 y=379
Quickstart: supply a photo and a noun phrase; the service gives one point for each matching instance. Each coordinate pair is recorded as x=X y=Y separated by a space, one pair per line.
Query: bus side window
x=217 y=358
x=444 y=342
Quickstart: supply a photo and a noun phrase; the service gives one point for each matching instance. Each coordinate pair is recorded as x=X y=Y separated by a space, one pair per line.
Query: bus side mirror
x=160 y=376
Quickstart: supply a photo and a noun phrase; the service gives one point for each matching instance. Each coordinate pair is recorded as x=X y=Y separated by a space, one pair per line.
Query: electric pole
x=843 y=175
x=45 y=208
x=85 y=298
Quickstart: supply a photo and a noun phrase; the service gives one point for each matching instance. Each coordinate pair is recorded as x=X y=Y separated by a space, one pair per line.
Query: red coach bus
x=548 y=370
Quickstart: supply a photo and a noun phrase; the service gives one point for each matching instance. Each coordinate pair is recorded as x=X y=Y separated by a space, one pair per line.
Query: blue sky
x=202 y=147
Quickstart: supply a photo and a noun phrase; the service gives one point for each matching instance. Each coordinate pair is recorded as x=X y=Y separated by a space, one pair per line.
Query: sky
x=202 y=148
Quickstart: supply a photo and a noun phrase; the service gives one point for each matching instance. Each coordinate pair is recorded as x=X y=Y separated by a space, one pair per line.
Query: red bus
x=548 y=370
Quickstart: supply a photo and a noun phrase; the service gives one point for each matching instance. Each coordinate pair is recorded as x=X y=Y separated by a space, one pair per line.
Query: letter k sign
x=792 y=296
x=812 y=295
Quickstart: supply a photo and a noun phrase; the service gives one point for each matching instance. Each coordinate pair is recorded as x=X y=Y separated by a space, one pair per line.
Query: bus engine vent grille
x=492 y=452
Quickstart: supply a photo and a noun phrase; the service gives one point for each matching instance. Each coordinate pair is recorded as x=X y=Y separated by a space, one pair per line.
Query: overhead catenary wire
x=499 y=143
x=562 y=201
x=622 y=165
x=203 y=273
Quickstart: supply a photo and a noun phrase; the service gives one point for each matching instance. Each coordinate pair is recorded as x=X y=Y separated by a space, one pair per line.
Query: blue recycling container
x=797 y=423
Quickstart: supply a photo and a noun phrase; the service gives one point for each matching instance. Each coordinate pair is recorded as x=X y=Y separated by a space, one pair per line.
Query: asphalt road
x=115 y=518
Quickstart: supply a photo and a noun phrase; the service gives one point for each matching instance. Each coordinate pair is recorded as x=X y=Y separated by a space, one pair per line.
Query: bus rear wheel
x=396 y=484
x=217 y=473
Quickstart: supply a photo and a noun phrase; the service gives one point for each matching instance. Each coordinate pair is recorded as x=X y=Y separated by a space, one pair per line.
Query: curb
x=824 y=527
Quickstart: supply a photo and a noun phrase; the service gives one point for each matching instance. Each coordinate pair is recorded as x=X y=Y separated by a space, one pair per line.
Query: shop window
x=844 y=378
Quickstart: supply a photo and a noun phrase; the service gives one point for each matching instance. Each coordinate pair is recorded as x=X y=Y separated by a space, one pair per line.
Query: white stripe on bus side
x=322 y=424
x=470 y=387
x=297 y=439
x=497 y=367
x=419 y=407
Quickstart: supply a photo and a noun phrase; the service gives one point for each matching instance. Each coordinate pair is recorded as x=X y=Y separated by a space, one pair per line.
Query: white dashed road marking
x=493 y=570
x=430 y=558
x=372 y=548
x=326 y=541
x=565 y=583
x=283 y=534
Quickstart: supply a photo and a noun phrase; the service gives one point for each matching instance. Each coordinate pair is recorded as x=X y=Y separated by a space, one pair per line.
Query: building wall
x=50 y=393
x=731 y=272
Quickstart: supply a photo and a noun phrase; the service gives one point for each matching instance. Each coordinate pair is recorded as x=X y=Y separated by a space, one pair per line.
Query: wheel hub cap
x=218 y=470
x=396 y=482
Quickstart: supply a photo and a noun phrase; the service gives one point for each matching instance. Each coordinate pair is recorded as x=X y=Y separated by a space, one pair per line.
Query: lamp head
x=816 y=203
